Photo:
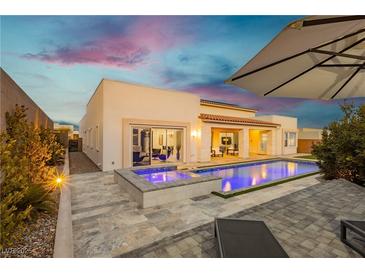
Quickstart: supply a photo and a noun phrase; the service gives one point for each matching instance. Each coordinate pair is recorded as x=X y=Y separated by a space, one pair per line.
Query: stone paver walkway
x=306 y=223
x=80 y=163
x=106 y=223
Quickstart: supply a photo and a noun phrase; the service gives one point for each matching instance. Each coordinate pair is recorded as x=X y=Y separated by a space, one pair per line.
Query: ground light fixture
x=59 y=180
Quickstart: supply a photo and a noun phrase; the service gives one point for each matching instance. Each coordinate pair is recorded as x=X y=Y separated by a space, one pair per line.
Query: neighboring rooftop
x=225 y=105
x=235 y=120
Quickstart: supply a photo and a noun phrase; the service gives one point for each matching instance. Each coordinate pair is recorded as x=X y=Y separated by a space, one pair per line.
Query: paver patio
x=80 y=163
x=306 y=223
x=106 y=223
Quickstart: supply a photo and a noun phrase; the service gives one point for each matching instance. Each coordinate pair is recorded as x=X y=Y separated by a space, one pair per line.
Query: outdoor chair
x=238 y=238
x=216 y=152
x=358 y=228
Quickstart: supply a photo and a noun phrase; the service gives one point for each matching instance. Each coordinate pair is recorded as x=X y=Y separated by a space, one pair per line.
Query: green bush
x=341 y=153
x=38 y=198
x=57 y=151
x=25 y=175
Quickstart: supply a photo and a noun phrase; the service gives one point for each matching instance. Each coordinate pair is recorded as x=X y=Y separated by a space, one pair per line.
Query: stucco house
x=128 y=125
x=307 y=137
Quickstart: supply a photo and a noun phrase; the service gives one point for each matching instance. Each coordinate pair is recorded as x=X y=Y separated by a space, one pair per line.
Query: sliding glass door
x=156 y=145
x=167 y=145
x=141 y=151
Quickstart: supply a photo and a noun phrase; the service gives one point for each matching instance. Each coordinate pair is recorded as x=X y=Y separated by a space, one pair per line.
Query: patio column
x=206 y=132
x=243 y=146
x=273 y=143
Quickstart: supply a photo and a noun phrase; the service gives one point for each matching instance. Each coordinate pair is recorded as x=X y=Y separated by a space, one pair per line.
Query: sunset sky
x=59 y=61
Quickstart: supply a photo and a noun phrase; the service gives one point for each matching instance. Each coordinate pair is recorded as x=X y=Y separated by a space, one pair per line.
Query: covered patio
x=235 y=138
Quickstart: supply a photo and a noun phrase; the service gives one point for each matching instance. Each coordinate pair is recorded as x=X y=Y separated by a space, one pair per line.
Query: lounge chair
x=246 y=239
x=358 y=228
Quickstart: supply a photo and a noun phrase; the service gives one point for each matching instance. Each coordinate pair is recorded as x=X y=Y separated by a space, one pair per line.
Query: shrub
x=38 y=198
x=341 y=153
x=56 y=150
x=25 y=175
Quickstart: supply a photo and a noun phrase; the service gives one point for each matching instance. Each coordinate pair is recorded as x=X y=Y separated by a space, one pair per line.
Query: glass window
x=167 y=145
x=97 y=142
x=91 y=138
x=264 y=141
x=141 y=138
x=290 y=139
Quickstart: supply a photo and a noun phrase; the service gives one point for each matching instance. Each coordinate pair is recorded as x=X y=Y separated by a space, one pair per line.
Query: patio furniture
x=162 y=157
x=171 y=149
x=238 y=238
x=216 y=152
x=155 y=153
x=222 y=149
x=137 y=157
x=357 y=227
x=232 y=150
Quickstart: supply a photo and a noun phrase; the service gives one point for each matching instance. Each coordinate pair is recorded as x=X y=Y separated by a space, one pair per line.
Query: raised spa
x=162 y=175
x=153 y=186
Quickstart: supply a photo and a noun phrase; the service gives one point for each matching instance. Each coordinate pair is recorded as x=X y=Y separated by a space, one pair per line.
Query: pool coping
x=228 y=165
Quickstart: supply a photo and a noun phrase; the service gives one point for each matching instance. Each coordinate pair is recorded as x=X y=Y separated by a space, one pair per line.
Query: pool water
x=157 y=176
x=248 y=175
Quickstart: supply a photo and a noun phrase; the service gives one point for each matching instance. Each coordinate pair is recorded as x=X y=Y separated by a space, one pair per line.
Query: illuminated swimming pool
x=253 y=174
x=162 y=175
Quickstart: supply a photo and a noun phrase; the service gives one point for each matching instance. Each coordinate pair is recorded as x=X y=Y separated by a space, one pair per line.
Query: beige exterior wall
x=310 y=133
x=92 y=126
x=11 y=94
x=125 y=105
x=307 y=137
x=116 y=107
x=288 y=124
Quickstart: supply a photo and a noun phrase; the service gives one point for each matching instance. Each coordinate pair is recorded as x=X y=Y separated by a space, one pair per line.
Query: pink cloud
x=128 y=49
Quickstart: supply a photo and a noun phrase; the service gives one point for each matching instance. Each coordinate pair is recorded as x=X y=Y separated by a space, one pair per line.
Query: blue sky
x=59 y=60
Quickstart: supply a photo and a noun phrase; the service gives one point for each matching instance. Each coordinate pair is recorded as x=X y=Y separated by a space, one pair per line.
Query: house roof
x=235 y=120
x=224 y=105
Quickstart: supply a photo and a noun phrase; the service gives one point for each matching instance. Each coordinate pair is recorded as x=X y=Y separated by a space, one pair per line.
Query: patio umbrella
x=318 y=57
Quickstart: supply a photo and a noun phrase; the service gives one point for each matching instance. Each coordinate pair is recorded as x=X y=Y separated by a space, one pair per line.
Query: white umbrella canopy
x=318 y=57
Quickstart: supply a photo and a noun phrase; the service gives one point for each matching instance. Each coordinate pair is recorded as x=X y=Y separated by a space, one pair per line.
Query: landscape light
x=59 y=180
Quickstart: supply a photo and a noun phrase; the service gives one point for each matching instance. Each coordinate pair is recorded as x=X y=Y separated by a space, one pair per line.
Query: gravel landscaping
x=37 y=240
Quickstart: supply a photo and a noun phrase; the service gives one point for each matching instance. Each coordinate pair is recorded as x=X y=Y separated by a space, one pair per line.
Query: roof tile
x=235 y=120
